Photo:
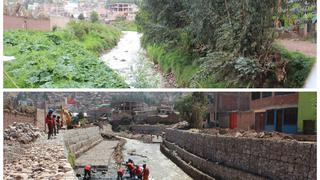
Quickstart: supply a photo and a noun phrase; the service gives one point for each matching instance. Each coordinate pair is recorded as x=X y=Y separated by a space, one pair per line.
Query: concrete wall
x=13 y=22
x=148 y=129
x=78 y=141
x=57 y=21
x=41 y=119
x=9 y=118
x=307 y=108
x=264 y=158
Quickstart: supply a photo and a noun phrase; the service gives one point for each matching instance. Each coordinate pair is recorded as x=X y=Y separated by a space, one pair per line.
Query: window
x=270 y=117
x=266 y=94
x=255 y=96
x=283 y=93
x=291 y=116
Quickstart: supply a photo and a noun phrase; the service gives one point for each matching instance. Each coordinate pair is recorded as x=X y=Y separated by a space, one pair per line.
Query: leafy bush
x=61 y=59
x=298 y=68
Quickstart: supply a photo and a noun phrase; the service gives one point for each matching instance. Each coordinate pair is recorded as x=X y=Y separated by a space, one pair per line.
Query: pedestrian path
x=44 y=159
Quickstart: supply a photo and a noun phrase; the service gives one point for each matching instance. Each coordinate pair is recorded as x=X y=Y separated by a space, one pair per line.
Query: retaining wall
x=261 y=157
x=9 y=118
x=148 y=129
x=78 y=141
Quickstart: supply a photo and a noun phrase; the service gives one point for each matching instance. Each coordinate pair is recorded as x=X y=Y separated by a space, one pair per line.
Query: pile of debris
x=181 y=125
x=23 y=133
x=247 y=134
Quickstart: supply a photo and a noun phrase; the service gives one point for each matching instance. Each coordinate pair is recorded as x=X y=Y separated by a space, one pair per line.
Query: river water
x=129 y=59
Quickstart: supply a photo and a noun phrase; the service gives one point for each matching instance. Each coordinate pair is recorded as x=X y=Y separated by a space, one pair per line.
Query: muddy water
x=129 y=59
x=161 y=168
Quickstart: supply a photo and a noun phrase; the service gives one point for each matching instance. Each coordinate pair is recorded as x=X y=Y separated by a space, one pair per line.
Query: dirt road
x=304 y=47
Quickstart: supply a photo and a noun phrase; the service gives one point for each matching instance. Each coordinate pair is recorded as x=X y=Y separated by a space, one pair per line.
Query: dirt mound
x=23 y=133
x=117 y=154
x=248 y=134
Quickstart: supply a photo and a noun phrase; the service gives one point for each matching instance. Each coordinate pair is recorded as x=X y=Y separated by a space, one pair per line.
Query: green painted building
x=307 y=110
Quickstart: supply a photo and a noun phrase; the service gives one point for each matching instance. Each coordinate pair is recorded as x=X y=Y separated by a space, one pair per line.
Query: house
x=307 y=112
x=229 y=110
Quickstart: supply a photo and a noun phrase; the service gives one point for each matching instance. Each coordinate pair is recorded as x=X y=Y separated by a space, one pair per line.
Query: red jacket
x=121 y=172
x=49 y=121
x=130 y=166
x=138 y=171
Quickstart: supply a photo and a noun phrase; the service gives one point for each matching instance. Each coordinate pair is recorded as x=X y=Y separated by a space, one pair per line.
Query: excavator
x=68 y=119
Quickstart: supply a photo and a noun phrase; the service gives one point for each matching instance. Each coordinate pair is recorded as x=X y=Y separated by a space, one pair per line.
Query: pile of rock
x=21 y=132
x=43 y=160
x=181 y=125
x=247 y=134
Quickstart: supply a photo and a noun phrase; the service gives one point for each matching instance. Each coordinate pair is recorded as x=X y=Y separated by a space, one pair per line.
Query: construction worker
x=138 y=172
x=130 y=166
x=54 y=125
x=120 y=174
x=145 y=173
x=87 y=172
x=49 y=122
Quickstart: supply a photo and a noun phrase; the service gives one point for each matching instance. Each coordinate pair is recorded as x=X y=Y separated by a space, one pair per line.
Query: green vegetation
x=193 y=108
x=125 y=25
x=94 y=17
x=299 y=65
x=71 y=159
x=65 y=58
x=212 y=44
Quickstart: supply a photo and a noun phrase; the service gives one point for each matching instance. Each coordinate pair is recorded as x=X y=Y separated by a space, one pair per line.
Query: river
x=129 y=60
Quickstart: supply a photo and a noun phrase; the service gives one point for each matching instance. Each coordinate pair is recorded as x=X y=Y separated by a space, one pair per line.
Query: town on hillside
x=160 y=135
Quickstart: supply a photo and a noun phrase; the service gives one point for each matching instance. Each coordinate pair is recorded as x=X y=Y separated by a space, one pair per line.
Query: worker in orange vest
x=87 y=172
x=130 y=166
x=145 y=172
x=138 y=172
x=49 y=122
x=120 y=174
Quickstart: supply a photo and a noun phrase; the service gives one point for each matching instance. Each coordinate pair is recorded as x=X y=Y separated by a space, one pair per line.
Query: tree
x=81 y=17
x=193 y=108
x=94 y=16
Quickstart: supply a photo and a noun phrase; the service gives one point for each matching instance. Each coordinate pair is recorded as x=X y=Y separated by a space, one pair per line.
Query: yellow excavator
x=66 y=117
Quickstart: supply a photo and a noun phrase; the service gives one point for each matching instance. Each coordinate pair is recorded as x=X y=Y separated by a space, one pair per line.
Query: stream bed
x=129 y=60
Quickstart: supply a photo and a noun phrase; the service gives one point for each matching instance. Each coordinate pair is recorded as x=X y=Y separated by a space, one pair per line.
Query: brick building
x=277 y=111
x=230 y=110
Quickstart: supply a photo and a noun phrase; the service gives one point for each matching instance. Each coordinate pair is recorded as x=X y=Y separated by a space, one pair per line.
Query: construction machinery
x=66 y=117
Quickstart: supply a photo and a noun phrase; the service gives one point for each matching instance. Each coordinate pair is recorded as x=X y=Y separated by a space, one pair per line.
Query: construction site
x=168 y=135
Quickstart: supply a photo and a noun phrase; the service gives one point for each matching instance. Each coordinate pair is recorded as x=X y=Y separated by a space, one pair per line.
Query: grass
x=65 y=58
x=180 y=64
x=174 y=61
x=71 y=159
x=298 y=69
x=125 y=25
